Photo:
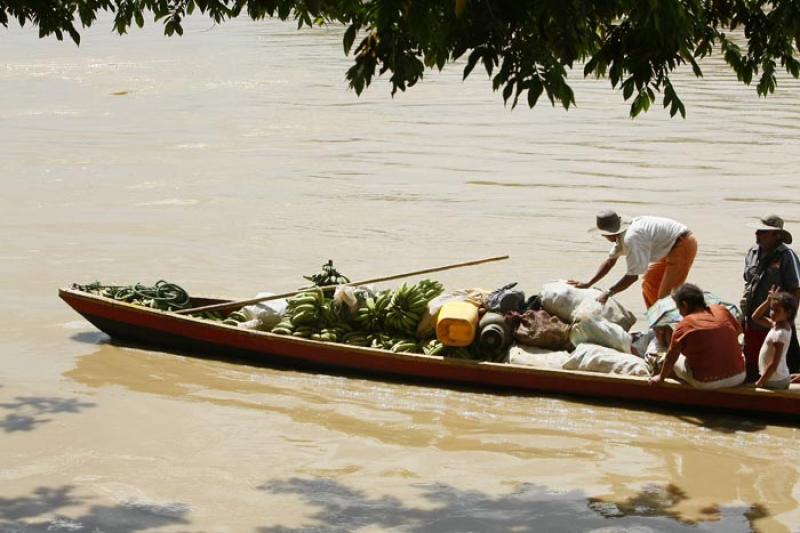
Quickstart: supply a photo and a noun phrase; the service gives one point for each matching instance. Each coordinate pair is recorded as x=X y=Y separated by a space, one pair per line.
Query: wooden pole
x=242 y=303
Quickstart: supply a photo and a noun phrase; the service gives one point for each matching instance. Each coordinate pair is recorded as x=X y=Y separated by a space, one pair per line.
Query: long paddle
x=241 y=303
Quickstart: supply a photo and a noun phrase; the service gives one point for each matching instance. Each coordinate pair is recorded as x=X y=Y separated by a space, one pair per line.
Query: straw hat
x=772 y=223
x=609 y=222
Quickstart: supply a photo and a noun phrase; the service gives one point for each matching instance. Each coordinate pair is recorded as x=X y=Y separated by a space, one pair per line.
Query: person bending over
x=660 y=248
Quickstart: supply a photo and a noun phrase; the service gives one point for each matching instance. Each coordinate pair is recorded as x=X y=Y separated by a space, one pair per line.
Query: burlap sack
x=540 y=329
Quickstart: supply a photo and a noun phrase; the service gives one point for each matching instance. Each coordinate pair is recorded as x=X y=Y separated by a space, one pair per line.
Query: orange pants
x=670 y=272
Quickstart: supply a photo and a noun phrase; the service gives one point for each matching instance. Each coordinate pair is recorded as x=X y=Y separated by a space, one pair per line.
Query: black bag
x=505 y=299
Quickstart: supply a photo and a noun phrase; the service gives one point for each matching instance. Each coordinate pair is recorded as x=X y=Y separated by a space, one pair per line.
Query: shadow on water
x=724 y=424
x=40 y=510
x=91 y=337
x=528 y=509
x=30 y=411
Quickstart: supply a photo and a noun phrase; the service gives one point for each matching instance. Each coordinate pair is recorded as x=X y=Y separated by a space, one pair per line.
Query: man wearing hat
x=769 y=263
x=661 y=249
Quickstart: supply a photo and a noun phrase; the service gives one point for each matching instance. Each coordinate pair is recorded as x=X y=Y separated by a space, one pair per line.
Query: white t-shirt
x=646 y=240
x=775 y=335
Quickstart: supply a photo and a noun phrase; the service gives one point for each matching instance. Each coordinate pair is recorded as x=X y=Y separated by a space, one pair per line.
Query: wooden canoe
x=161 y=329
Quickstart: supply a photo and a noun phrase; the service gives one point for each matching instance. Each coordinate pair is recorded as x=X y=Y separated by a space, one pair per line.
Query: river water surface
x=233 y=160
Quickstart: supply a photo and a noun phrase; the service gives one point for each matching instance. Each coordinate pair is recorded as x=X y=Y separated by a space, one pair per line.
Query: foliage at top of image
x=525 y=46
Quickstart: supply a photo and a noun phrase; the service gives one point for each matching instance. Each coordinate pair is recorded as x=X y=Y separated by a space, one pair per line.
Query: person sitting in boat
x=661 y=249
x=772 y=367
x=704 y=350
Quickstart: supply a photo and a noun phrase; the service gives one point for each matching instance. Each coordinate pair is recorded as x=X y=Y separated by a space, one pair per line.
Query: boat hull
x=160 y=329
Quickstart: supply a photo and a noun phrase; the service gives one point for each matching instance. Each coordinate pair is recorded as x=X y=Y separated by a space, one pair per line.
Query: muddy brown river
x=232 y=161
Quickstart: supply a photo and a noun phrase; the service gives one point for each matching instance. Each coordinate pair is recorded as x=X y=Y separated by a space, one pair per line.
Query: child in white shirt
x=772 y=358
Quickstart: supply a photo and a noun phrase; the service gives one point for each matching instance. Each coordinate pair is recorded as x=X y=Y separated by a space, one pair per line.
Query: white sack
x=594 y=358
x=562 y=299
x=538 y=357
x=596 y=330
x=268 y=313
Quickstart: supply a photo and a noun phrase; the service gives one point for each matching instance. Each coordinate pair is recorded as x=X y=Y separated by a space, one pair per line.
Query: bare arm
x=605 y=268
x=626 y=281
x=758 y=315
x=666 y=369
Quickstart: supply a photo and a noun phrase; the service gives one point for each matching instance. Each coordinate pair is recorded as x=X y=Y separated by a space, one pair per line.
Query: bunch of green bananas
x=310 y=315
x=356 y=338
x=433 y=347
x=430 y=289
x=235 y=318
x=405 y=309
x=306 y=307
x=328 y=276
x=394 y=343
x=371 y=311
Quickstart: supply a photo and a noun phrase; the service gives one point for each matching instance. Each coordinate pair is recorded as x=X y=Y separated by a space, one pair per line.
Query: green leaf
x=139 y=18
x=349 y=37
x=471 y=62
x=636 y=106
x=488 y=63
x=507 y=91
x=534 y=92
x=590 y=66
x=627 y=88
x=568 y=96
x=76 y=37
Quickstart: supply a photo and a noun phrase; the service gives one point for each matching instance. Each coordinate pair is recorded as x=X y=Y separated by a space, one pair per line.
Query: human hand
x=603 y=297
x=773 y=292
x=578 y=284
x=761 y=382
x=656 y=380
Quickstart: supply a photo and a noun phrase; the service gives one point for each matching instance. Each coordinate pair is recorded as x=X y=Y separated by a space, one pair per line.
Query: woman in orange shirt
x=704 y=351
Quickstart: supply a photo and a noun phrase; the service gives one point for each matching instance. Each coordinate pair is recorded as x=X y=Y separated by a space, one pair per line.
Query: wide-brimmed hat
x=609 y=222
x=772 y=223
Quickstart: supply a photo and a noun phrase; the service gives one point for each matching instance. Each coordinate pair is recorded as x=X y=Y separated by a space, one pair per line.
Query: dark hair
x=789 y=304
x=691 y=295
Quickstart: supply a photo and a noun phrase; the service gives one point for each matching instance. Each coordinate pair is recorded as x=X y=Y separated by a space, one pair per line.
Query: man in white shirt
x=661 y=249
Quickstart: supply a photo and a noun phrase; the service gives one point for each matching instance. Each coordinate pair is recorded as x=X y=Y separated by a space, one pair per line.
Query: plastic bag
x=562 y=299
x=539 y=328
x=594 y=358
x=349 y=295
x=268 y=313
x=506 y=299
